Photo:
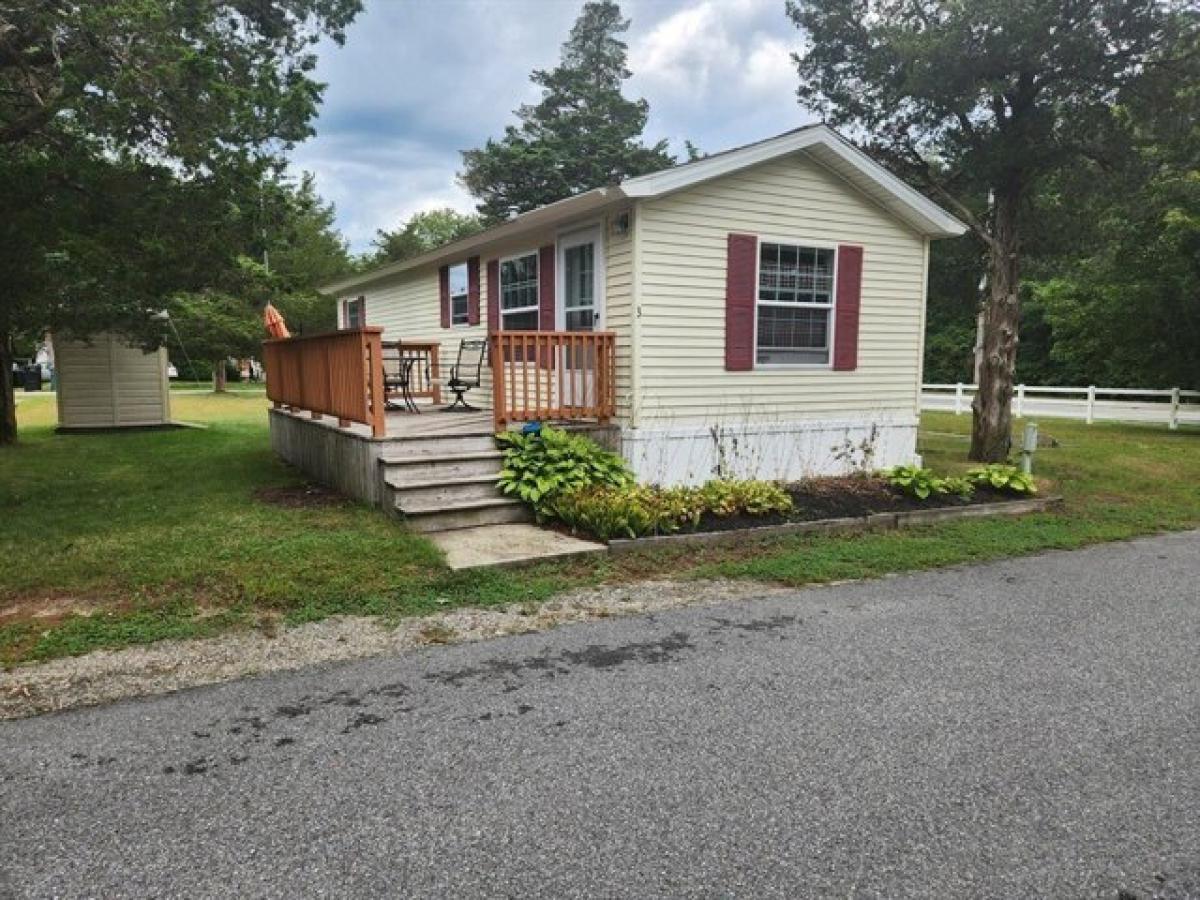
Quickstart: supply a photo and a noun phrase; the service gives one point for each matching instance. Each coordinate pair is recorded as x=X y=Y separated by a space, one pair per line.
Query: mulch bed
x=846 y=497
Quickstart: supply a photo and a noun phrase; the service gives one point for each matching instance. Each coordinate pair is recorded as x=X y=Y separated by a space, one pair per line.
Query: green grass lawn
x=116 y=539
x=250 y=386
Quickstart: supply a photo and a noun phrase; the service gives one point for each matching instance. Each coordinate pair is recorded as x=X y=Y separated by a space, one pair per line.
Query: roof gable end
x=827 y=147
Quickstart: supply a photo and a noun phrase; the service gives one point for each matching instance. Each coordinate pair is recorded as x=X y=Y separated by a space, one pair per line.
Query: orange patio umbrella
x=276 y=327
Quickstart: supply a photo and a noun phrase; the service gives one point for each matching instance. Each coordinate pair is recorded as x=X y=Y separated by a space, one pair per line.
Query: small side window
x=460 y=311
x=354 y=313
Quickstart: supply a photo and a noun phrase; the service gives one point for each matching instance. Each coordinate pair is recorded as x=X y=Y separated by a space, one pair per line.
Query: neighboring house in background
x=107 y=383
x=768 y=305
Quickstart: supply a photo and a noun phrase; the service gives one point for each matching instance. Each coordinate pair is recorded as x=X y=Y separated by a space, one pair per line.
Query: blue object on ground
x=531 y=428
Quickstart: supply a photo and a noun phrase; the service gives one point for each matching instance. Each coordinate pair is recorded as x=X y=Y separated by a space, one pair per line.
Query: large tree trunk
x=8 y=402
x=991 y=428
x=219 y=377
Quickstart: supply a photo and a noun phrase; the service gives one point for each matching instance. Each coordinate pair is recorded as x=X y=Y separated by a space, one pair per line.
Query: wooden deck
x=437 y=469
x=432 y=421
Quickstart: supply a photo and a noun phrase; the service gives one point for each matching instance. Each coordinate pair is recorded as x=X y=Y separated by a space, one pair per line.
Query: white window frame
x=831 y=306
x=465 y=295
x=360 y=300
x=537 y=305
x=594 y=234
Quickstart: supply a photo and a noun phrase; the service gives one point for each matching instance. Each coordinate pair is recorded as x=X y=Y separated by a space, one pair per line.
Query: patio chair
x=397 y=378
x=466 y=373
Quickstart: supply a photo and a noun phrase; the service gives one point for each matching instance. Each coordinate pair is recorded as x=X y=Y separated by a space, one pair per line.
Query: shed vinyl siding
x=682 y=248
x=108 y=383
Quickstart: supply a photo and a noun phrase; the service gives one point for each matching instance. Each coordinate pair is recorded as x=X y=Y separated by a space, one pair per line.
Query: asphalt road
x=1023 y=729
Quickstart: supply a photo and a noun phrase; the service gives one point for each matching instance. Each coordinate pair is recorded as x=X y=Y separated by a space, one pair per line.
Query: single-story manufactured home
x=755 y=313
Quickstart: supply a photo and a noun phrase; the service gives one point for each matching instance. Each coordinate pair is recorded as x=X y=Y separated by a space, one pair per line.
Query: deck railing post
x=496 y=358
x=375 y=388
x=435 y=374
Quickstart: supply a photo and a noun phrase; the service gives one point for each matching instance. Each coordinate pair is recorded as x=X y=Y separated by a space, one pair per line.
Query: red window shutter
x=741 y=265
x=493 y=295
x=546 y=288
x=473 y=290
x=444 y=294
x=849 y=299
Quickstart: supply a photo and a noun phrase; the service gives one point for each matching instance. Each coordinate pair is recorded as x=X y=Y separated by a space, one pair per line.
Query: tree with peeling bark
x=977 y=102
x=134 y=137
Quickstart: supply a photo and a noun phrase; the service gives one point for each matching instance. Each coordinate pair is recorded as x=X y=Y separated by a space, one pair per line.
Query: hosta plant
x=547 y=463
x=1001 y=477
x=923 y=483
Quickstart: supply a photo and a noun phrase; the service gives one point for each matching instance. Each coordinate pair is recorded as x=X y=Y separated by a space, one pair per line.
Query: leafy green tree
x=132 y=133
x=297 y=249
x=582 y=134
x=302 y=250
x=422 y=232
x=214 y=326
x=989 y=94
x=1125 y=309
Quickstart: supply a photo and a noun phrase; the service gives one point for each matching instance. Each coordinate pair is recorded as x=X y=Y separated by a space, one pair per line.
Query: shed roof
x=819 y=142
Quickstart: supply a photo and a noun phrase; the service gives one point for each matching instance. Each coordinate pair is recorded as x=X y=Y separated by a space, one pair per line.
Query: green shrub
x=914 y=481
x=1001 y=477
x=923 y=484
x=545 y=464
x=607 y=513
x=959 y=485
x=634 y=511
x=761 y=498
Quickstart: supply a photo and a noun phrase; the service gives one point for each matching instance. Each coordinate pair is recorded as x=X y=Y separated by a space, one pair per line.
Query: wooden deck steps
x=448 y=481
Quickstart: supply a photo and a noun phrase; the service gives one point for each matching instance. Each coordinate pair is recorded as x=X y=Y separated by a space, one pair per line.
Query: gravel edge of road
x=105 y=676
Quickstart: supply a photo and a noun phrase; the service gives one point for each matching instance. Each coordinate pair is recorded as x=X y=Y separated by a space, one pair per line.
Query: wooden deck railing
x=338 y=373
x=560 y=375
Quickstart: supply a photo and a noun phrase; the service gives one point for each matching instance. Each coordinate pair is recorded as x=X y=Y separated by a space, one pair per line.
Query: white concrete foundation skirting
x=776 y=451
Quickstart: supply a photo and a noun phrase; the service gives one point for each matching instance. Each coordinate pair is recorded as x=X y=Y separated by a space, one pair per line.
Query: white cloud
x=418 y=82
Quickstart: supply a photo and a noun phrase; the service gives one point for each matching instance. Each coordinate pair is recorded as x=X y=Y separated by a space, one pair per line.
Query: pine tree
x=583 y=133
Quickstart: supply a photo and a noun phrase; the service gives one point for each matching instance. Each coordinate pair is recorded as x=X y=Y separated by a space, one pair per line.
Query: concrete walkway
x=516 y=542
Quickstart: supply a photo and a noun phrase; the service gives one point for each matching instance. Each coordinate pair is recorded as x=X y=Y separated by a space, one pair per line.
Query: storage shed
x=108 y=383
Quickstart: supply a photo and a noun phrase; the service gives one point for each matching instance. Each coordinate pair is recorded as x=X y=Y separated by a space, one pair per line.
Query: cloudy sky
x=420 y=80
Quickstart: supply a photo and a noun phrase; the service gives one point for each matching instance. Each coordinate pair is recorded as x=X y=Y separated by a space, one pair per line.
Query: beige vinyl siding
x=618 y=307
x=682 y=248
x=107 y=383
x=407 y=305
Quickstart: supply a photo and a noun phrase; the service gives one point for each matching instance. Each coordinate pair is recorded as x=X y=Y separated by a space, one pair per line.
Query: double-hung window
x=354 y=313
x=519 y=293
x=460 y=311
x=795 y=304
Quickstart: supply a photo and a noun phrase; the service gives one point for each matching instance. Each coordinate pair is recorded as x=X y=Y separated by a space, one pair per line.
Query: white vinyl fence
x=1089 y=403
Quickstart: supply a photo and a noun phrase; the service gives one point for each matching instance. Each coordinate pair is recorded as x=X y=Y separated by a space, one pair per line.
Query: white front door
x=580 y=288
x=580 y=302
